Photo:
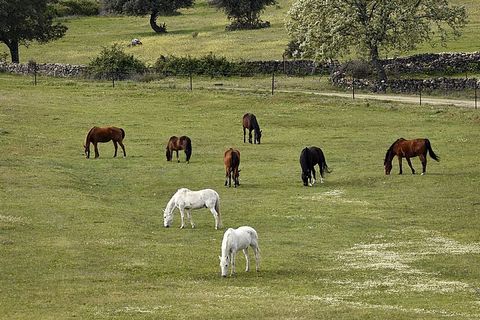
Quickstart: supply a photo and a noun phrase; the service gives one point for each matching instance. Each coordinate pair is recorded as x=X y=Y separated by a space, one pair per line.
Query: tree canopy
x=328 y=29
x=154 y=8
x=23 y=21
x=244 y=13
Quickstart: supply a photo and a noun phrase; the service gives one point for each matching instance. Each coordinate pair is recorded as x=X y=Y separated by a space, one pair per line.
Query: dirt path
x=380 y=97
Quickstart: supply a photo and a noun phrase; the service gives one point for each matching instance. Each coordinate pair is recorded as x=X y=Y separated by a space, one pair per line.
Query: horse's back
x=246 y=230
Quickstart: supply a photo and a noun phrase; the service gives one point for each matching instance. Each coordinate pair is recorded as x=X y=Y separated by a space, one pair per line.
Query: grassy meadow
x=85 y=238
x=86 y=36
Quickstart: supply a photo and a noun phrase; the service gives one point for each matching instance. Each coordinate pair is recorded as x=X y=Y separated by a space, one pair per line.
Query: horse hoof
x=423 y=173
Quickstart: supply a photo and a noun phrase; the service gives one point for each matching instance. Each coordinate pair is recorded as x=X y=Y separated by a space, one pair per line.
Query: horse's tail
x=168 y=153
x=430 y=151
x=123 y=133
x=188 y=148
x=323 y=164
x=217 y=208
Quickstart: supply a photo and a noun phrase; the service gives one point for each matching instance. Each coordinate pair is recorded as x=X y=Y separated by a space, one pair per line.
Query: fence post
x=421 y=87
x=191 y=82
x=273 y=82
x=353 y=88
x=476 y=87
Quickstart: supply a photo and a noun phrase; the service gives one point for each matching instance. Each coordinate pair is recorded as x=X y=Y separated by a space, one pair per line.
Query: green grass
x=84 y=238
x=87 y=35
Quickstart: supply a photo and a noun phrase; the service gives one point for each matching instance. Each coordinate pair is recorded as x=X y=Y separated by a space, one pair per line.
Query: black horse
x=309 y=157
x=250 y=122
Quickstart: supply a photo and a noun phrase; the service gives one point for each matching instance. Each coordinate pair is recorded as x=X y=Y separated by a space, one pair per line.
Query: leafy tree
x=154 y=8
x=244 y=13
x=327 y=29
x=23 y=21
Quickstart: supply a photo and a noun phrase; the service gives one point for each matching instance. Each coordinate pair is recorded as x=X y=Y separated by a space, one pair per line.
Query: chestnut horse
x=408 y=149
x=250 y=122
x=231 y=159
x=175 y=143
x=309 y=157
x=104 y=134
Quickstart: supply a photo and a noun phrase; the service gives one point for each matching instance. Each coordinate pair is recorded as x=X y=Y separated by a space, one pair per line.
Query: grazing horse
x=231 y=159
x=235 y=240
x=309 y=157
x=250 y=123
x=105 y=134
x=175 y=143
x=186 y=200
x=408 y=149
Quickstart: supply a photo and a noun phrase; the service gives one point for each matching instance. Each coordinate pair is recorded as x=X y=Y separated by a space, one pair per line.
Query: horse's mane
x=390 y=150
x=227 y=240
x=87 y=140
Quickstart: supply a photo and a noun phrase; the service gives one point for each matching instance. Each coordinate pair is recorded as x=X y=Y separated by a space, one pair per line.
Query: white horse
x=235 y=240
x=185 y=200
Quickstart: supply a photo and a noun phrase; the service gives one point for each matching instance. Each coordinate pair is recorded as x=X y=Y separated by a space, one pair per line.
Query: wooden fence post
x=273 y=82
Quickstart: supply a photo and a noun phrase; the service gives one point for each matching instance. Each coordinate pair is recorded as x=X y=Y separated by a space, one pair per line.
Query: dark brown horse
x=408 y=149
x=175 y=143
x=104 y=134
x=309 y=157
x=231 y=159
x=250 y=122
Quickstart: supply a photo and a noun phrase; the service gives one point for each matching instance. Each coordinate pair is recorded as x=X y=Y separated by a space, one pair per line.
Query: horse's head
x=224 y=263
x=305 y=177
x=167 y=219
x=86 y=149
x=388 y=167
x=258 y=135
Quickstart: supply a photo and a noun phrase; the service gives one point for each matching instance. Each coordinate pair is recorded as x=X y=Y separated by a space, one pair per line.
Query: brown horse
x=408 y=149
x=250 y=122
x=175 y=143
x=104 y=134
x=231 y=159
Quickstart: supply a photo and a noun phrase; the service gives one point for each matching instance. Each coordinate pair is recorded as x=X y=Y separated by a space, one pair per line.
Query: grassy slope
x=84 y=238
x=86 y=36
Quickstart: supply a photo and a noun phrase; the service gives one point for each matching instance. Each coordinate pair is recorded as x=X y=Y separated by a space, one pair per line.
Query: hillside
x=87 y=35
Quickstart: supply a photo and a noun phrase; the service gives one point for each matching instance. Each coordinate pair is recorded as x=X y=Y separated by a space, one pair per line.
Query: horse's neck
x=171 y=204
x=227 y=244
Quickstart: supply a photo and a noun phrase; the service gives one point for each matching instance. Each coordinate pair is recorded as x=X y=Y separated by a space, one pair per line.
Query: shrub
x=114 y=62
x=359 y=69
x=76 y=8
x=207 y=65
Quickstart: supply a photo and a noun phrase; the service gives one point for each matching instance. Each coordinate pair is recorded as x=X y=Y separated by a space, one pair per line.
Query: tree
x=154 y=8
x=23 y=21
x=245 y=13
x=327 y=29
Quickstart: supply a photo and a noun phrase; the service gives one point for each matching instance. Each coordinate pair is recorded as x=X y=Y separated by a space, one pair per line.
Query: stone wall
x=48 y=69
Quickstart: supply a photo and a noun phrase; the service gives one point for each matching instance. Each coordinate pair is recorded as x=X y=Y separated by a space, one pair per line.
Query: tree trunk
x=153 y=23
x=13 y=46
x=377 y=65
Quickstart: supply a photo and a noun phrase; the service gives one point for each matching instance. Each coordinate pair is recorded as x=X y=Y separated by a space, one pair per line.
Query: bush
x=76 y=8
x=114 y=62
x=207 y=65
x=358 y=69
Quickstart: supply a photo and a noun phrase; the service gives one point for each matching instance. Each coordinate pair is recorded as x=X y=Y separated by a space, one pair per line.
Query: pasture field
x=86 y=36
x=85 y=238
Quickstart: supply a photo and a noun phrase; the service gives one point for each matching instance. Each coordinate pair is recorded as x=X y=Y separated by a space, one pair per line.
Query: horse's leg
x=123 y=148
x=400 y=164
x=256 y=250
x=95 y=147
x=410 y=165
x=423 y=159
x=216 y=216
x=249 y=136
x=189 y=216
x=178 y=160
x=244 y=133
x=182 y=215
x=232 y=259
x=116 y=148
x=247 y=266
x=314 y=176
